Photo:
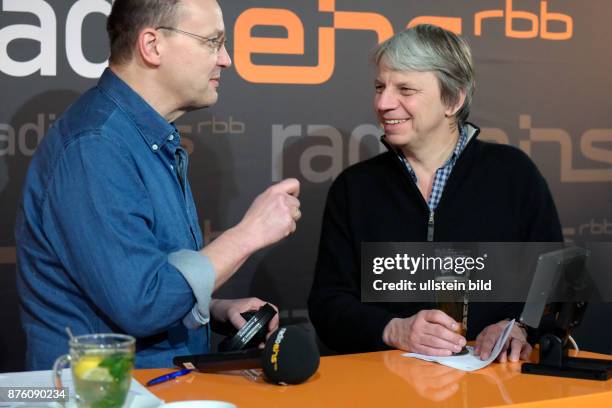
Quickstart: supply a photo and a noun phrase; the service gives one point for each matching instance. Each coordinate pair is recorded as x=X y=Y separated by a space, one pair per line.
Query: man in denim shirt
x=107 y=232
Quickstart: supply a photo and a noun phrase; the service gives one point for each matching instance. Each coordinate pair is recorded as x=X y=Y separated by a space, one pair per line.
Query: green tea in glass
x=101 y=369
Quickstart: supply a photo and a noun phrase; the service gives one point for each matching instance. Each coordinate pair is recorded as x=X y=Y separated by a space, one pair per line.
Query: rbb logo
x=591 y=228
x=539 y=25
x=247 y=45
x=596 y=228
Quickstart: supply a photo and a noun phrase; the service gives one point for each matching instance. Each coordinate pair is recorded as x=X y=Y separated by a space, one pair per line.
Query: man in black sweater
x=437 y=182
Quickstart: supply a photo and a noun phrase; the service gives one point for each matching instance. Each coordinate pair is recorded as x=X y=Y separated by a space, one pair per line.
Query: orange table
x=385 y=379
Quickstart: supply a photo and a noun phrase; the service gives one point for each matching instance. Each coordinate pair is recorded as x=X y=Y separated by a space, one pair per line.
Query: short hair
x=129 y=17
x=427 y=47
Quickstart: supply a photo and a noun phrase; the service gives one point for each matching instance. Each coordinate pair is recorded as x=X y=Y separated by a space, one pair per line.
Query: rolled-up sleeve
x=198 y=271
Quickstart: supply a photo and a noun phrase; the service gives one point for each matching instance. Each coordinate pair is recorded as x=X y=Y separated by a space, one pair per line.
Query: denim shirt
x=107 y=234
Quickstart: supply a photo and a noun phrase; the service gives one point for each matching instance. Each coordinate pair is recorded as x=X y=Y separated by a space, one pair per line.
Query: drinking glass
x=101 y=368
x=455 y=304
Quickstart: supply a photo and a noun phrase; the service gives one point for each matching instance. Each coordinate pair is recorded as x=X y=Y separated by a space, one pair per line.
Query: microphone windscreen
x=291 y=356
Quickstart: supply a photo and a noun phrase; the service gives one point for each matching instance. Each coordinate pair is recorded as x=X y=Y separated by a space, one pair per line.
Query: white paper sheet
x=138 y=396
x=469 y=362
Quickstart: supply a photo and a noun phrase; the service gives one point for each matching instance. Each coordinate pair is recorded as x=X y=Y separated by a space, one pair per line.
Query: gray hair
x=129 y=17
x=427 y=47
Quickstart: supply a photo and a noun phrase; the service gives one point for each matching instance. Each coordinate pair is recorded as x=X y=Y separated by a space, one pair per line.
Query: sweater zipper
x=430 y=227
x=431 y=220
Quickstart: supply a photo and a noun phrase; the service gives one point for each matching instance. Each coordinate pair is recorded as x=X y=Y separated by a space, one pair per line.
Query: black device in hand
x=253 y=332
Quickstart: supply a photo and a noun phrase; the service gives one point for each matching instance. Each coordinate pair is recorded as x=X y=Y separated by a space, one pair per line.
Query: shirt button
x=171 y=137
x=171 y=167
x=154 y=147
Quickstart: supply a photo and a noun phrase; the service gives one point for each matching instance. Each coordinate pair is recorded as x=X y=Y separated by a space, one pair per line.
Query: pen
x=168 y=377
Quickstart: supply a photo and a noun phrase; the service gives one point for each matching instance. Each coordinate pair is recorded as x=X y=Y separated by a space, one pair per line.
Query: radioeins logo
x=542 y=23
x=247 y=45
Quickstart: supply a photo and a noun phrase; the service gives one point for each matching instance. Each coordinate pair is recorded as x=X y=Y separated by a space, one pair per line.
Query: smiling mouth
x=394 y=121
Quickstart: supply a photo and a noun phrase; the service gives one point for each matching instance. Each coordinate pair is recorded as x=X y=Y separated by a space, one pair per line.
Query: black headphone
x=253 y=332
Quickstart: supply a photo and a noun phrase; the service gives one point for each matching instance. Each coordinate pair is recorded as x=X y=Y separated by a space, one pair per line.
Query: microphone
x=290 y=357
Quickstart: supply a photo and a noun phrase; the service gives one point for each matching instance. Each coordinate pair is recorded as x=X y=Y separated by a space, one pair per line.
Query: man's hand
x=225 y=310
x=273 y=215
x=430 y=332
x=516 y=346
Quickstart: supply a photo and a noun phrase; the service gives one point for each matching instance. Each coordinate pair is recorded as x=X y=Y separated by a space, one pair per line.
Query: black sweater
x=494 y=194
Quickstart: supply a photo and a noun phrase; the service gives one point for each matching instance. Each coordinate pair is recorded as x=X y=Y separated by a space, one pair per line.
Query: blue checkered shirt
x=442 y=173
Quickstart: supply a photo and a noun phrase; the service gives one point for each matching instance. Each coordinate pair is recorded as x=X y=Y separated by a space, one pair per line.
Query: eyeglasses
x=215 y=43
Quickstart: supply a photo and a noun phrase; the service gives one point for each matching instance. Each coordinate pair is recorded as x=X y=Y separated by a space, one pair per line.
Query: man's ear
x=452 y=109
x=149 y=46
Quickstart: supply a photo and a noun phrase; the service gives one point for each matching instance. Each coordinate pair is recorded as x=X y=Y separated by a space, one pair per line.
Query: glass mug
x=454 y=304
x=101 y=368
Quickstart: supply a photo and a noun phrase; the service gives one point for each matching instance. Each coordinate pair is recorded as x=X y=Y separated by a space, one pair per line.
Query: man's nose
x=385 y=100
x=223 y=58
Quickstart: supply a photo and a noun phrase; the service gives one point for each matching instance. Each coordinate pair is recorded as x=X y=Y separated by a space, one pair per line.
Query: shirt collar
x=459 y=147
x=153 y=128
x=461 y=142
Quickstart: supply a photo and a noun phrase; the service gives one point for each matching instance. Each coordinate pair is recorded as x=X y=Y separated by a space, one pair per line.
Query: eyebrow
x=405 y=85
x=398 y=85
x=216 y=34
